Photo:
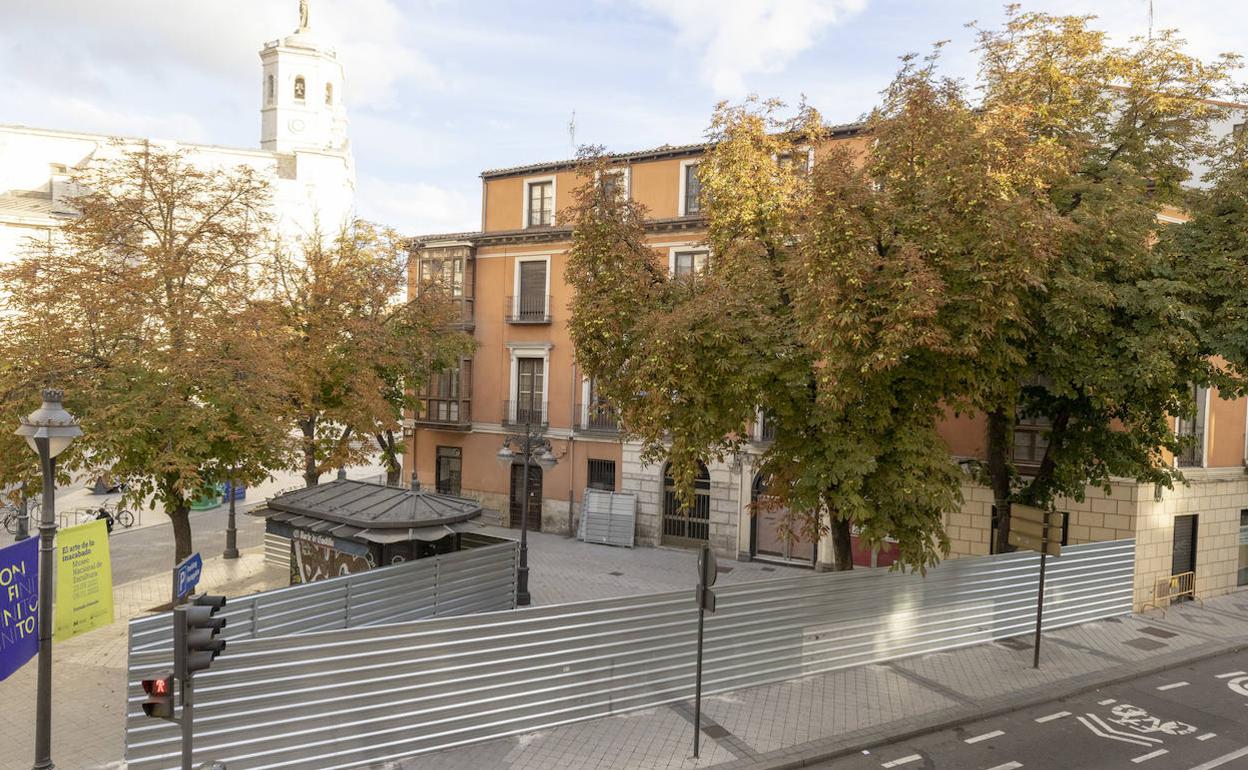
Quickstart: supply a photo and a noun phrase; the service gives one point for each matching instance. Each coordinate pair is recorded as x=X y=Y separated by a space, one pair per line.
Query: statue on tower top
x=303 y=15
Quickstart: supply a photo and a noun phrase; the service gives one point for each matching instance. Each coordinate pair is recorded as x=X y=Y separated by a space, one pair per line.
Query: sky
x=439 y=90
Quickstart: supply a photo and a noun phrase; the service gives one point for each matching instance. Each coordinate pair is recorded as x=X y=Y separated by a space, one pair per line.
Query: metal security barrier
x=1168 y=590
x=354 y=697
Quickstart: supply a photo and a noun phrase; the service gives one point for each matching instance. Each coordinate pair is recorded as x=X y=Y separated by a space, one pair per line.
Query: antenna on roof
x=572 y=133
x=1150 y=19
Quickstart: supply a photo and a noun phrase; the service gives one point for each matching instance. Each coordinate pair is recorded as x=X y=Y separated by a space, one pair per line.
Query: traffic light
x=195 y=630
x=159 y=703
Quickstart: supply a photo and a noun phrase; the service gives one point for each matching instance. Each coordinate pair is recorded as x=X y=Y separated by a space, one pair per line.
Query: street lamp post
x=231 y=531
x=528 y=444
x=48 y=430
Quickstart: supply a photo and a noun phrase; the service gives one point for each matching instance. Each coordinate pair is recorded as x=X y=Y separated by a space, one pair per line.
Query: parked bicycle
x=112 y=514
x=13 y=516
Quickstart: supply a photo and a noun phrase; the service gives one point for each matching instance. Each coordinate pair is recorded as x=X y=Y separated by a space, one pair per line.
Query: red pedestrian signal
x=159 y=702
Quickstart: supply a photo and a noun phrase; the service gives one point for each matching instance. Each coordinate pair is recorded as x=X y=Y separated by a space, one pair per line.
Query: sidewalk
x=89 y=671
x=800 y=721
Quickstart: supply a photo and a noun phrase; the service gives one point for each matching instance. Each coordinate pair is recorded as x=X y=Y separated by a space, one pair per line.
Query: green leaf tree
x=136 y=307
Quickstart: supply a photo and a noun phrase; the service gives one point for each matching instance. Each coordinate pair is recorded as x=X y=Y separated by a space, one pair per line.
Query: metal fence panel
x=350 y=698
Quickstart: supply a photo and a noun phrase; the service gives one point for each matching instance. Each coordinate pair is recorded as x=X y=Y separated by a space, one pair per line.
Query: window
x=688 y=261
x=685 y=525
x=268 y=89
x=450 y=469
x=615 y=183
x=1192 y=455
x=799 y=159
x=446 y=397
x=530 y=393
x=446 y=272
x=596 y=412
x=540 y=204
x=690 y=189
x=301 y=88
x=329 y=94
x=1031 y=441
x=529 y=304
x=1237 y=130
x=601 y=475
x=1243 y=548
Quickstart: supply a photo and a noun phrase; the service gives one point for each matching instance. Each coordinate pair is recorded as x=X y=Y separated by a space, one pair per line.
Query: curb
x=868 y=738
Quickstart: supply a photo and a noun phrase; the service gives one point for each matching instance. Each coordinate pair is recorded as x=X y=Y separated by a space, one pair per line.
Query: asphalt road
x=1187 y=718
x=139 y=553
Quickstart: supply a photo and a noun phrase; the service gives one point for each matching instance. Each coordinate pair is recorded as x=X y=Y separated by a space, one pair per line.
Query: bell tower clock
x=301 y=104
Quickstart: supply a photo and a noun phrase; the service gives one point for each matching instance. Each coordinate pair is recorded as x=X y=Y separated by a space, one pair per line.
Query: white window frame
x=515 y=284
x=673 y=250
x=1204 y=429
x=554 y=197
x=623 y=171
x=520 y=350
x=796 y=153
x=684 y=164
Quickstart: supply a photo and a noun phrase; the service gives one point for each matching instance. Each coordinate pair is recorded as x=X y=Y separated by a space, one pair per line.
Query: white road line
x=1051 y=717
x=1206 y=736
x=1230 y=674
x=1150 y=755
x=1106 y=702
x=1222 y=760
x=902 y=761
x=985 y=736
x=1173 y=685
x=1007 y=766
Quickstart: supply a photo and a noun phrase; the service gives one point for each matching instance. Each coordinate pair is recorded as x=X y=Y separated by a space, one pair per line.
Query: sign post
x=186 y=576
x=1036 y=530
x=708 y=571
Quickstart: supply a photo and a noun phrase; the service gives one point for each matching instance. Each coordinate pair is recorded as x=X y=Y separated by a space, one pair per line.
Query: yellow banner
x=84 y=580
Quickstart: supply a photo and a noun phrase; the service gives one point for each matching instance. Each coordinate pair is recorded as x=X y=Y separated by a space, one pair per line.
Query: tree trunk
x=179 y=514
x=390 y=458
x=311 y=474
x=999 y=475
x=842 y=548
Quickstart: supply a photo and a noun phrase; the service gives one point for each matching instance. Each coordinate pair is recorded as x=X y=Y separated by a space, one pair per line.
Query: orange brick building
x=508 y=281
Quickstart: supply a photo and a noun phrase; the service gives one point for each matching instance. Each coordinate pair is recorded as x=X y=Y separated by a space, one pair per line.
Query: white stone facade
x=304 y=152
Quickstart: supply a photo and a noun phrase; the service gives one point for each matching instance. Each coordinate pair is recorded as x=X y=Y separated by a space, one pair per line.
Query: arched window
x=329 y=94
x=301 y=88
x=681 y=525
x=268 y=89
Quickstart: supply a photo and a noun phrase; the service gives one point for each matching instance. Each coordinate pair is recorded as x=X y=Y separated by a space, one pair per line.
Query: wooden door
x=535 y=496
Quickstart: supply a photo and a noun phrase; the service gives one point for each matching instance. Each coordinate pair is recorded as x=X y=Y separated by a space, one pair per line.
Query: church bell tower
x=301 y=104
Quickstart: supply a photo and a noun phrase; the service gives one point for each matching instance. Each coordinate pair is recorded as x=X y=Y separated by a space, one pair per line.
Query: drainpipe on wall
x=572 y=455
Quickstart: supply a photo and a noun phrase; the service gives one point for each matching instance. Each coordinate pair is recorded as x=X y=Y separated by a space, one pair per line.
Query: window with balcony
x=540 y=206
x=690 y=189
x=531 y=303
x=1192 y=431
x=448 y=269
x=596 y=414
x=601 y=475
x=530 y=391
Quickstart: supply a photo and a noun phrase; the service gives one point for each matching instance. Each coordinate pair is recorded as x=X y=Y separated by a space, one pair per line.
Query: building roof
x=546 y=234
x=26 y=203
x=654 y=153
x=366 y=511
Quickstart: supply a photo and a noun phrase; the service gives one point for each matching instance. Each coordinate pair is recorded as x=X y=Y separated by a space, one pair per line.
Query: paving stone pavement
x=89 y=672
x=792 y=723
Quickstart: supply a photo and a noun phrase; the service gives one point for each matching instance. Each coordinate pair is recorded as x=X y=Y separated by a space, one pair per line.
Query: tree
x=1006 y=245
x=136 y=307
x=690 y=360
x=353 y=349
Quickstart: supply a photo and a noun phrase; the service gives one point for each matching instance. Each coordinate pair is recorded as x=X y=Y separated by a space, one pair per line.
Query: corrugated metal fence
x=352 y=697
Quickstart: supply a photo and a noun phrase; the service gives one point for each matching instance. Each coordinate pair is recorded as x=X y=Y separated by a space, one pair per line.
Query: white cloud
x=415 y=208
x=739 y=37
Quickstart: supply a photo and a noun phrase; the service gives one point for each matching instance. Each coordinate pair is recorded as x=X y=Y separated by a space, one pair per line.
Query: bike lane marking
x=1230 y=674
x=1051 y=717
x=984 y=737
x=1106 y=702
x=902 y=761
x=1007 y=766
x=1173 y=685
x=1206 y=736
x=1150 y=755
x=1222 y=760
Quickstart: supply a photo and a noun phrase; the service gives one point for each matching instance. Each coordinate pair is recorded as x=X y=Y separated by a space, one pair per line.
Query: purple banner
x=19 y=605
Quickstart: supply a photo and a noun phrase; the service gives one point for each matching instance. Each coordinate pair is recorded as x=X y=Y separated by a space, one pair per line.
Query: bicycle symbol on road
x=1142 y=724
x=1239 y=685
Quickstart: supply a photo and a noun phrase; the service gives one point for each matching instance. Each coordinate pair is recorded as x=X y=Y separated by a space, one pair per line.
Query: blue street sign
x=186 y=576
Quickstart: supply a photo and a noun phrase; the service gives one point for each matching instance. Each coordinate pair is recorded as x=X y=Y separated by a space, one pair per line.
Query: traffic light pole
x=184 y=681
x=188 y=705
